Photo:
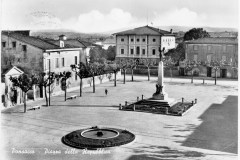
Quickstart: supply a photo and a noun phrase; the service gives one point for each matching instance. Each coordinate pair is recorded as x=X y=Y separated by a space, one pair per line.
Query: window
x=138 y=40
x=63 y=63
x=224 y=48
x=209 y=58
x=224 y=58
x=132 y=40
x=56 y=63
x=14 y=44
x=3 y=44
x=209 y=48
x=75 y=60
x=143 y=51
x=154 y=40
x=24 y=48
x=138 y=50
x=195 y=57
x=153 y=51
x=122 y=51
x=132 y=51
x=122 y=39
x=143 y=39
x=195 y=47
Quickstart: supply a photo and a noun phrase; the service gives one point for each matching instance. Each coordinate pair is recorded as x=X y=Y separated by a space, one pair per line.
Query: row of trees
x=26 y=81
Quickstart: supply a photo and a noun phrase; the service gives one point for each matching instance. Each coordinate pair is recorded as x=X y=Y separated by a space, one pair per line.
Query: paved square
x=208 y=131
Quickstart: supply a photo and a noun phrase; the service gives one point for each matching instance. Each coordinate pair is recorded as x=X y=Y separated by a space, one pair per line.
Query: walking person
x=106 y=92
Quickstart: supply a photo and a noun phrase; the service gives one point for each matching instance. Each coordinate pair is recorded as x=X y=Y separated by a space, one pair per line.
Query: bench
x=73 y=96
x=36 y=107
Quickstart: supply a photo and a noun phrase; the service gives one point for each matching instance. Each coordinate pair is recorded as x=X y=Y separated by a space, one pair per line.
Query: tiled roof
x=67 y=43
x=145 y=30
x=223 y=34
x=73 y=43
x=216 y=40
x=34 y=41
x=87 y=44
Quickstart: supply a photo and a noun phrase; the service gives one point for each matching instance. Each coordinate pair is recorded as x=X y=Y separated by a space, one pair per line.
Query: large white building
x=143 y=43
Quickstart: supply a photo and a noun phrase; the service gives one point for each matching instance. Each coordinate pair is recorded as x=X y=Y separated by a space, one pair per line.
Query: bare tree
x=46 y=80
x=169 y=64
x=124 y=66
x=81 y=71
x=64 y=76
x=25 y=83
x=191 y=65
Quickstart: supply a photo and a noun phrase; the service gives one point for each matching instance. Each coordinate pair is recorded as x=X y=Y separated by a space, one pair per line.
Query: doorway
x=209 y=71
x=223 y=73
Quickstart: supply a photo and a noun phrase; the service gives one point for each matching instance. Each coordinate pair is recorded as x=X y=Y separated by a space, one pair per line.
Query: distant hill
x=53 y=34
x=208 y=29
x=70 y=34
x=180 y=28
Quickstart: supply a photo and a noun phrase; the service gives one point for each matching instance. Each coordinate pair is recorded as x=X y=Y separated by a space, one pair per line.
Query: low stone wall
x=75 y=85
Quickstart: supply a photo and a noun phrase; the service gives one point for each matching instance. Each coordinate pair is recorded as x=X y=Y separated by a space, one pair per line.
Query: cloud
x=182 y=16
x=95 y=21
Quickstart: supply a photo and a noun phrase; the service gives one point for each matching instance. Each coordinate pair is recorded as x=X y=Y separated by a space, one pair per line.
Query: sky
x=108 y=15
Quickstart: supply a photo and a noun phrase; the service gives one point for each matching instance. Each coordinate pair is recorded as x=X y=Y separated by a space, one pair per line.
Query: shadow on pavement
x=84 y=106
x=162 y=152
x=219 y=128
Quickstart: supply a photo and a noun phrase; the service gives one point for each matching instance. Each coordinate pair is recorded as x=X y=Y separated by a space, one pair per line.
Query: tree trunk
x=45 y=91
x=93 y=84
x=132 y=74
x=124 y=76
x=115 y=79
x=215 y=77
x=171 y=73
x=24 y=101
x=192 y=77
x=65 y=93
x=80 y=87
x=148 y=74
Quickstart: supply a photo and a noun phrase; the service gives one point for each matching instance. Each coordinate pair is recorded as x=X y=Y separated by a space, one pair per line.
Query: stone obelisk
x=160 y=94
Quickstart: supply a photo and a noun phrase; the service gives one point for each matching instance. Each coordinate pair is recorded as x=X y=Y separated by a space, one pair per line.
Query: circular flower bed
x=78 y=140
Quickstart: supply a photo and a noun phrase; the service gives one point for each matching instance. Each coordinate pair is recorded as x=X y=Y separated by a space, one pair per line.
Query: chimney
x=171 y=30
x=62 y=38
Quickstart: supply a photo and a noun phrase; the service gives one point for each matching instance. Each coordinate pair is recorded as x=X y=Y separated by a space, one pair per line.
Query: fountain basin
x=93 y=138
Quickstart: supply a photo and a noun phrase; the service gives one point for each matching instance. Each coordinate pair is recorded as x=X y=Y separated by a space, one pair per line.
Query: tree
x=97 y=54
x=124 y=66
x=93 y=70
x=177 y=54
x=132 y=65
x=64 y=77
x=115 y=68
x=100 y=55
x=111 y=53
x=195 y=33
x=190 y=65
x=81 y=71
x=25 y=83
x=216 y=65
x=148 y=63
x=46 y=81
x=169 y=64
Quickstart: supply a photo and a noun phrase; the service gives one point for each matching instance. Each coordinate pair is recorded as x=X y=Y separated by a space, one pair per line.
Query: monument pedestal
x=160 y=96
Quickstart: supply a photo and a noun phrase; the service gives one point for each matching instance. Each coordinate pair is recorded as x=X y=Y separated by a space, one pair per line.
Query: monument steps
x=153 y=103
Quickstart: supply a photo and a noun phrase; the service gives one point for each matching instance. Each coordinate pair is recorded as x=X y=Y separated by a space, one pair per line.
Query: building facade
x=220 y=49
x=143 y=43
x=35 y=55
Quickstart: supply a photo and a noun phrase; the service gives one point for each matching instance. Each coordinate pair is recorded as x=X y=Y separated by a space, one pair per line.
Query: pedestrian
x=106 y=91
